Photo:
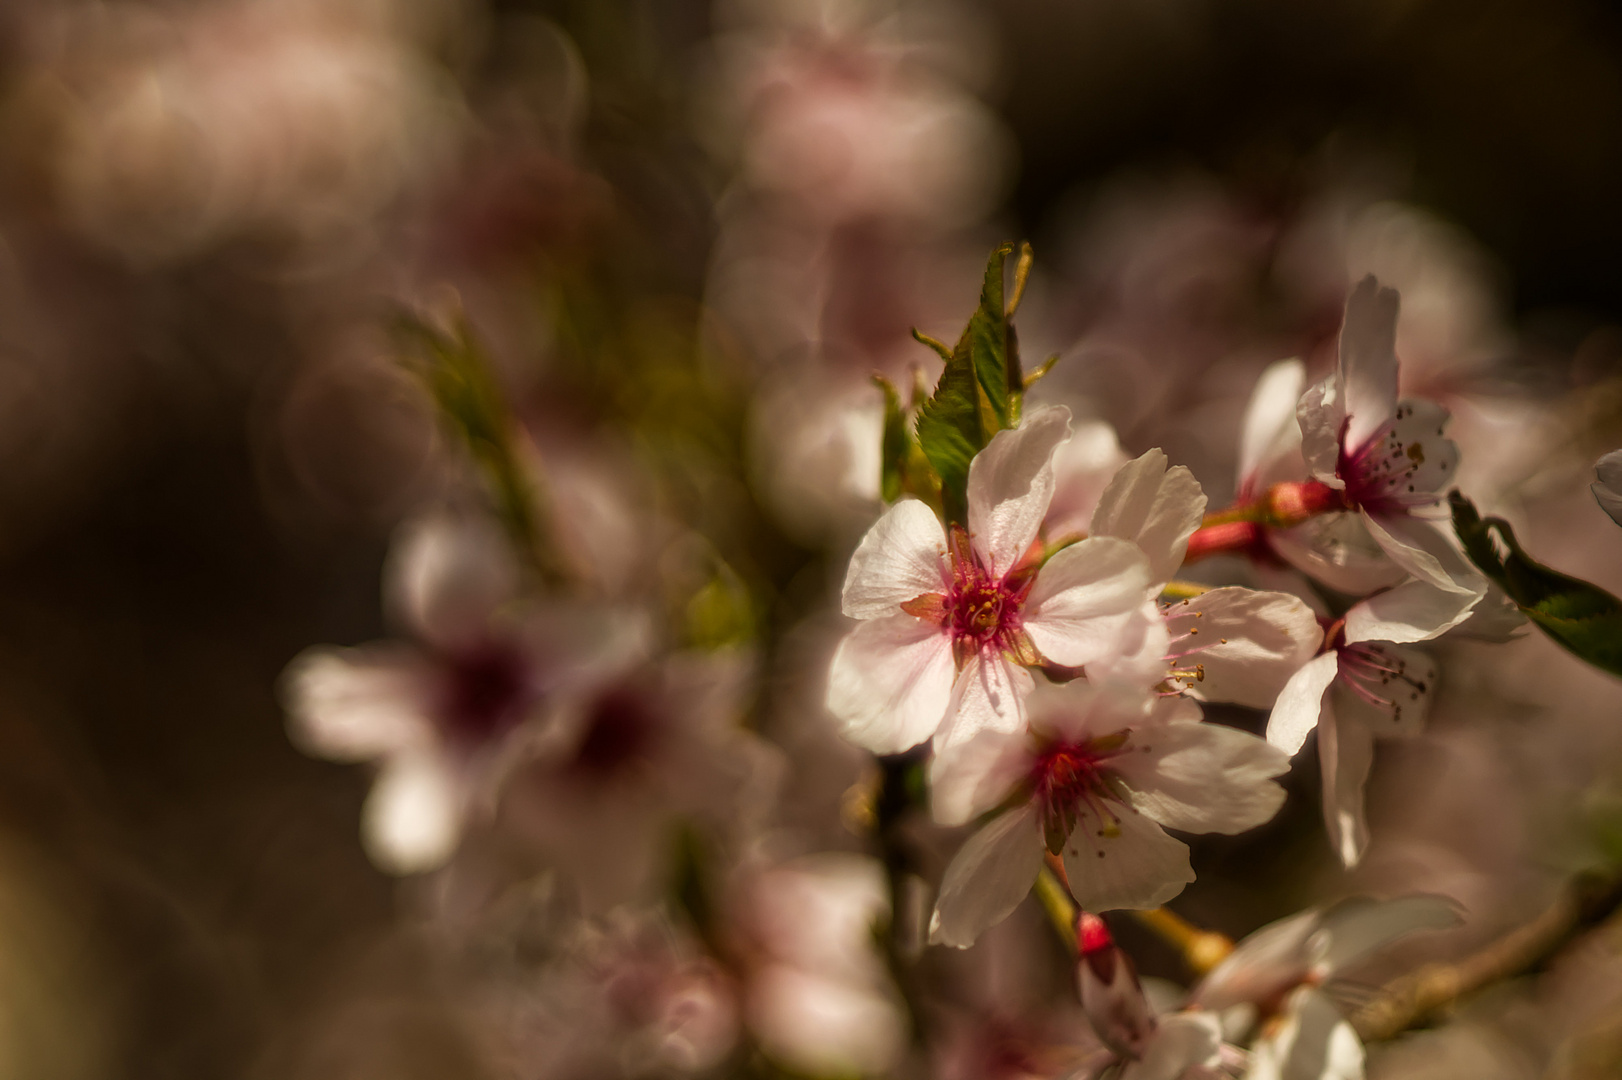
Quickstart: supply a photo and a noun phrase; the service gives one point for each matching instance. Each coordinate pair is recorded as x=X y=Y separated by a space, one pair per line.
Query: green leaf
x=903 y=468
x=978 y=393
x=1583 y=618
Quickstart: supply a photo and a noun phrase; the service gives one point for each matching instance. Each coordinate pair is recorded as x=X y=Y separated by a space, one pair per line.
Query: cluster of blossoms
x=626 y=772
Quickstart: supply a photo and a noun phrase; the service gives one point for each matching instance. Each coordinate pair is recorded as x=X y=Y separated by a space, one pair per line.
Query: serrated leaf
x=1582 y=617
x=978 y=393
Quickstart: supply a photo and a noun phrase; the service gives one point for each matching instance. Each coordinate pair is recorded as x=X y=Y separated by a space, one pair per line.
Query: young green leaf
x=1584 y=618
x=978 y=394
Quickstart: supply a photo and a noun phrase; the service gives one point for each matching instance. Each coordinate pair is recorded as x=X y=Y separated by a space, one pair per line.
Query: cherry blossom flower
x=1232 y=644
x=949 y=625
x=624 y=761
x=628 y=995
x=1359 y=689
x=1385 y=459
x=817 y=995
x=1608 y=488
x=442 y=715
x=1282 y=981
x=1100 y=773
x=1185 y=1045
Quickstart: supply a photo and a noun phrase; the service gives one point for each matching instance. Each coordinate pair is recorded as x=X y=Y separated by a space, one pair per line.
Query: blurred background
x=687 y=233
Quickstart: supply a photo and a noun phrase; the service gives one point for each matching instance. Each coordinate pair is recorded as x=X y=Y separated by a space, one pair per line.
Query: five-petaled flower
x=1101 y=771
x=1384 y=459
x=950 y=623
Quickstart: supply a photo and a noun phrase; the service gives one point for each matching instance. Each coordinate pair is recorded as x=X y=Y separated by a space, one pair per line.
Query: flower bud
x=1110 y=992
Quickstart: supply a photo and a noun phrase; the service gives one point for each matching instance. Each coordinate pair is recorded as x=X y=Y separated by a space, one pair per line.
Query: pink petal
x=988 y=878
x=1156 y=508
x=890 y=683
x=901 y=557
x=1084 y=597
x=1346 y=751
x=1134 y=866
x=1270 y=437
x=1011 y=484
x=1249 y=643
x=1299 y=705
x=1201 y=777
x=1368 y=360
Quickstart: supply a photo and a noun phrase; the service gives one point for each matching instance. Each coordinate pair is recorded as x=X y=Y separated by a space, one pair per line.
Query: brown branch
x=1411 y=999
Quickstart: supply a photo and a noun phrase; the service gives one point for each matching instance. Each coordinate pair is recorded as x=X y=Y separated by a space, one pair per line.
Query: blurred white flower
x=948 y=631
x=1101 y=772
x=624 y=762
x=818 y=997
x=440 y=714
x=1281 y=980
x=630 y=995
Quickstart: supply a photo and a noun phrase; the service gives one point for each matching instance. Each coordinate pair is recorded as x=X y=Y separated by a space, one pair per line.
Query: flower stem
x=1201 y=950
x=1061 y=910
x=1241 y=528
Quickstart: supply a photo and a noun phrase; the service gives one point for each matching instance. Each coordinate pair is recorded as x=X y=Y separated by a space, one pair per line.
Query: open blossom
x=817 y=995
x=625 y=760
x=1100 y=773
x=441 y=714
x=1353 y=465
x=1231 y=644
x=1357 y=690
x=1381 y=459
x=1281 y=980
x=950 y=624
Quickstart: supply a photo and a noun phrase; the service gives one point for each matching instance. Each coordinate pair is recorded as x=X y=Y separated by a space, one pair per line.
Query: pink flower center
x=1380 y=475
x=983 y=612
x=485 y=692
x=1068 y=778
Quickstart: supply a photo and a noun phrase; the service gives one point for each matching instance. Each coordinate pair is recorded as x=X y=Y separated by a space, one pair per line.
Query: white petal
x=1249 y=643
x=988 y=878
x=989 y=695
x=1201 y=777
x=1082 y=469
x=1156 y=508
x=1368 y=360
x=413 y=816
x=1136 y=865
x=1337 y=550
x=448 y=575
x=968 y=778
x=1296 y=712
x=1084 y=709
x=1139 y=657
x=1608 y=488
x=1270 y=437
x=1010 y=485
x=1401 y=680
x=1404 y=614
x=1083 y=597
x=1346 y=752
x=1430 y=457
x=901 y=557
x=357 y=704
x=1180 y=1042
x=1312 y=1042
x=1354 y=928
x=1262 y=966
x=890 y=683
x=1321 y=413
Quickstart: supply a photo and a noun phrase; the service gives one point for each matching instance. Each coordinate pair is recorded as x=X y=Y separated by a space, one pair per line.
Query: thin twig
x=1412 y=999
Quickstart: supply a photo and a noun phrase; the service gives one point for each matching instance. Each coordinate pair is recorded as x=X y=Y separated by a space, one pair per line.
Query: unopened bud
x=1110 y=993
